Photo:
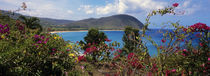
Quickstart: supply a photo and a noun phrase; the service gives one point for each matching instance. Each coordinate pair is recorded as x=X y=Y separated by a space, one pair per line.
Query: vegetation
x=31 y=23
x=30 y=53
x=94 y=40
x=115 y=22
x=131 y=40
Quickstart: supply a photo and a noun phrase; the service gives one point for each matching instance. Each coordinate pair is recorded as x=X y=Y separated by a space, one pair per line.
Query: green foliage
x=94 y=36
x=115 y=22
x=24 y=53
x=27 y=53
x=5 y=19
x=32 y=23
x=94 y=40
x=131 y=40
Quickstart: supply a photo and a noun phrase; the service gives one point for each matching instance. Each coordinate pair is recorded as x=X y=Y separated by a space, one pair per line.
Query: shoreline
x=80 y=31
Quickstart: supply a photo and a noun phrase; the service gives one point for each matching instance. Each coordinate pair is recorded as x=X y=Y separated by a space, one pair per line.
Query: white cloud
x=187 y=8
x=14 y=2
x=106 y=10
x=41 y=8
x=123 y=6
x=70 y=12
x=186 y=3
x=87 y=8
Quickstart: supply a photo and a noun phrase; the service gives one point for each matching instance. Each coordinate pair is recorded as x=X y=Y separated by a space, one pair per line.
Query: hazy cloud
x=70 y=12
x=188 y=7
x=88 y=9
x=123 y=6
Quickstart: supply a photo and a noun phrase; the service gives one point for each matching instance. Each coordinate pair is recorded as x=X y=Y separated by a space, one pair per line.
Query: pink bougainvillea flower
x=53 y=49
x=4 y=29
x=108 y=40
x=149 y=74
x=87 y=50
x=90 y=50
x=208 y=59
x=199 y=27
x=175 y=4
x=130 y=55
x=154 y=67
x=173 y=70
x=163 y=40
x=82 y=67
x=67 y=49
x=184 y=29
x=119 y=51
x=167 y=72
x=201 y=44
x=161 y=47
x=36 y=36
x=185 y=52
x=42 y=37
x=89 y=44
x=39 y=42
x=80 y=58
x=108 y=75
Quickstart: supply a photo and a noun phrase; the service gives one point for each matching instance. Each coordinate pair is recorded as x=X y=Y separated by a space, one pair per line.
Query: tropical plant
x=31 y=22
x=131 y=40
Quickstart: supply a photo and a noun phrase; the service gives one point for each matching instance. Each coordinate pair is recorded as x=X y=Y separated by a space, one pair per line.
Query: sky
x=191 y=11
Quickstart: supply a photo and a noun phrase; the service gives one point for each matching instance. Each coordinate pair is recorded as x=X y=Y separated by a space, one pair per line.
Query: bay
x=156 y=35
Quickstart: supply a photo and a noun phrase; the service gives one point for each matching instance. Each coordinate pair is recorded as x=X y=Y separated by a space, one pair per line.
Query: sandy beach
x=81 y=31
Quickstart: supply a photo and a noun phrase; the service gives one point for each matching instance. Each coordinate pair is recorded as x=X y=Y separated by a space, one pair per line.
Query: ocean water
x=155 y=34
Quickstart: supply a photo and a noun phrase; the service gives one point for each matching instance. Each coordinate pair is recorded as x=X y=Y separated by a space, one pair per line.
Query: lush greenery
x=115 y=22
x=26 y=50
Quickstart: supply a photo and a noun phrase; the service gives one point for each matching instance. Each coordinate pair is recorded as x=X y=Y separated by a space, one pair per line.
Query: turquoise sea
x=117 y=36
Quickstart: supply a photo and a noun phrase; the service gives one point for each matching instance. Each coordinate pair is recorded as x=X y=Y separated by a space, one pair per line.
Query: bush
x=24 y=53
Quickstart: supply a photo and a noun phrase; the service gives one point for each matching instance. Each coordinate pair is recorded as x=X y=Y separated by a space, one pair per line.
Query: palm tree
x=31 y=22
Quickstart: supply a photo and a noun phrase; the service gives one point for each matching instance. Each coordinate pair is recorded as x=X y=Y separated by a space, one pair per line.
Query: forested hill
x=114 y=22
x=107 y=23
x=43 y=21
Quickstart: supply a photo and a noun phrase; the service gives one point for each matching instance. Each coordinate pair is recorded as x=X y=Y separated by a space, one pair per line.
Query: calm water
x=117 y=36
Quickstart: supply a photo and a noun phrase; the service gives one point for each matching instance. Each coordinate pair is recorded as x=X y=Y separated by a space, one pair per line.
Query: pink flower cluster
x=170 y=71
x=184 y=52
x=154 y=68
x=53 y=51
x=199 y=27
x=163 y=40
x=4 y=29
x=40 y=40
x=108 y=40
x=90 y=50
x=133 y=60
x=81 y=58
x=20 y=25
x=117 y=54
x=175 y=4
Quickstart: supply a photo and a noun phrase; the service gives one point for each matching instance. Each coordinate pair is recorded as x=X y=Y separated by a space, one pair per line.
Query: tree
x=93 y=41
x=94 y=36
x=131 y=40
x=31 y=23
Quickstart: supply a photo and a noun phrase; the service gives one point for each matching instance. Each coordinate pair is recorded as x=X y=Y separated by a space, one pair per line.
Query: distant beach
x=80 y=31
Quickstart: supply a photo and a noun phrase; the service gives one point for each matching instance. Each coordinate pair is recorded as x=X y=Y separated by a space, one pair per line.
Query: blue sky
x=194 y=10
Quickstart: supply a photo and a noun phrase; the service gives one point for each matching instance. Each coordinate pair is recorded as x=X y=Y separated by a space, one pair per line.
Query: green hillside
x=115 y=22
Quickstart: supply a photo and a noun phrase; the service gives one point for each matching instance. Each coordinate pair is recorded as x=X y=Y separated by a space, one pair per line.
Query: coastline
x=80 y=31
